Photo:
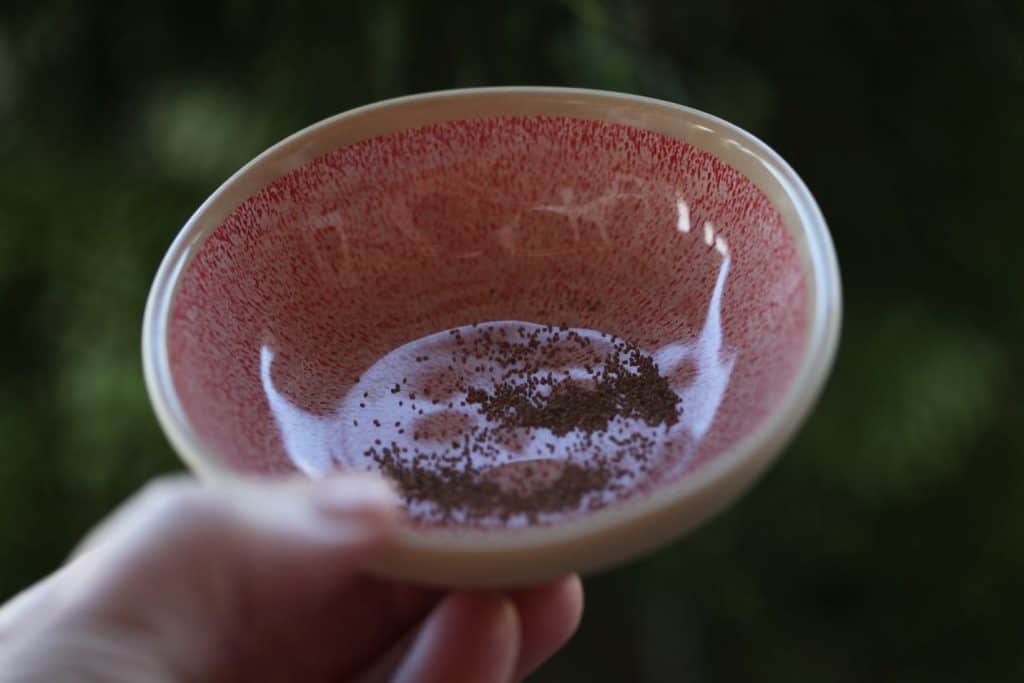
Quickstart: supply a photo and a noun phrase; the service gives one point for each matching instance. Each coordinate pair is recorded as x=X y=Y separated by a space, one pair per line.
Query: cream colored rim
x=606 y=536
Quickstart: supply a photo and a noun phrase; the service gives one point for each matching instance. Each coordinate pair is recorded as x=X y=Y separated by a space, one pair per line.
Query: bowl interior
x=279 y=321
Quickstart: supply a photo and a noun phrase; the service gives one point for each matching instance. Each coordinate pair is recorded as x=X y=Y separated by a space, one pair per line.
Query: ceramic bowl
x=290 y=299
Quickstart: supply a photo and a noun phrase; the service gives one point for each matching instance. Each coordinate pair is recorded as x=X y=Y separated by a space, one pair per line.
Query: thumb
x=296 y=512
x=199 y=576
x=250 y=527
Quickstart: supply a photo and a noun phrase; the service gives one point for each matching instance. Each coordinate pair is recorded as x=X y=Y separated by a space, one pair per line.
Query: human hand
x=264 y=582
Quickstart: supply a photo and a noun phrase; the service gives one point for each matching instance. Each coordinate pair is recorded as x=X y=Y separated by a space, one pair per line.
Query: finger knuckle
x=172 y=497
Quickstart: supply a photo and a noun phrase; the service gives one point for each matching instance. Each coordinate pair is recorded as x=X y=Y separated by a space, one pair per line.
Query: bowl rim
x=729 y=472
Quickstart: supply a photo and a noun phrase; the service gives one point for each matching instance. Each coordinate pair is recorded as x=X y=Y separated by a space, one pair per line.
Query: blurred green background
x=888 y=544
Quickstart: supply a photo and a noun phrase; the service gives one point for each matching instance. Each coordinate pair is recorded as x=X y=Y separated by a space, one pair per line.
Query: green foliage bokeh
x=887 y=544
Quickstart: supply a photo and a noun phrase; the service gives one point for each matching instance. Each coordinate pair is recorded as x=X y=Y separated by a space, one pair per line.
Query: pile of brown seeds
x=547 y=385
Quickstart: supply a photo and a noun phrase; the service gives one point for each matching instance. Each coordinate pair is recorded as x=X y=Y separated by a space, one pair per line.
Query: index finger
x=549 y=616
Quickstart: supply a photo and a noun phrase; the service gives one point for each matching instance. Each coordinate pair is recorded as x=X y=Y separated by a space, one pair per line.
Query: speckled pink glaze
x=544 y=219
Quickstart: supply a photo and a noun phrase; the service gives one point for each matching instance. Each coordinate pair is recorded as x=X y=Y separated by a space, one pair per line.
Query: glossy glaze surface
x=348 y=259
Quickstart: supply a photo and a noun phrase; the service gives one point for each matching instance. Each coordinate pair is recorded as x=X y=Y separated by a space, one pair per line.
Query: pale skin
x=267 y=582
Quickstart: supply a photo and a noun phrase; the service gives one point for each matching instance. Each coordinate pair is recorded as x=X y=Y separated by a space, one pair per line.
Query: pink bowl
x=270 y=314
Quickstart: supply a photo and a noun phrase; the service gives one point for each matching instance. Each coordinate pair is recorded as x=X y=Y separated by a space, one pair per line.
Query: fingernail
x=352 y=492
